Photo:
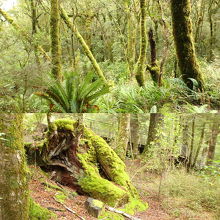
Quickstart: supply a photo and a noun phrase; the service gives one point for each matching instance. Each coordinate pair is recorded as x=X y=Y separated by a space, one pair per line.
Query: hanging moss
x=185 y=50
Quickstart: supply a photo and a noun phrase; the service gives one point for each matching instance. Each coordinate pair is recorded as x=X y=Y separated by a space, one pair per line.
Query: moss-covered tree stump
x=84 y=161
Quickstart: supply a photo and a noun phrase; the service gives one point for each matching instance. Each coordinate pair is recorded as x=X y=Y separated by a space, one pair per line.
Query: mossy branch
x=88 y=52
x=23 y=33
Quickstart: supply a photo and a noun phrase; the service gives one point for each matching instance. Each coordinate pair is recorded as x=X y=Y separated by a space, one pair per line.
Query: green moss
x=135 y=205
x=37 y=212
x=98 y=203
x=67 y=124
x=107 y=215
x=60 y=197
x=110 y=162
x=97 y=186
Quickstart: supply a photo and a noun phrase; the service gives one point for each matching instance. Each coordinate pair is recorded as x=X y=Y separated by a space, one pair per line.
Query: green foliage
x=74 y=95
x=36 y=212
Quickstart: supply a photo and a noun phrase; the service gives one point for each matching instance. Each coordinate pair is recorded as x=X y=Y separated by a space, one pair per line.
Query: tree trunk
x=212 y=142
x=55 y=39
x=123 y=135
x=141 y=64
x=190 y=161
x=156 y=121
x=199 y=146
x=135 y=134
x=13 y=171
x=154 y=69
x=34 y=29
x=185 y=50
x=85 y=162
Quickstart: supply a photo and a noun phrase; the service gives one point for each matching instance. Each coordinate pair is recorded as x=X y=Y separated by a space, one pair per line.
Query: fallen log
x=84 y=161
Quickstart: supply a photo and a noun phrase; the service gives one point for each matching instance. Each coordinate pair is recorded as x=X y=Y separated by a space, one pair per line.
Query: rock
x=94 y=207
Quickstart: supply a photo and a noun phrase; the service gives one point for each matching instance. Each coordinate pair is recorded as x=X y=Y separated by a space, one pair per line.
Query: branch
x=122 y=213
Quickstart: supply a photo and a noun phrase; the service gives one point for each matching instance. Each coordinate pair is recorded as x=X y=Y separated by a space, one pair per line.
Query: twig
x=122 y=213
x=70 y=210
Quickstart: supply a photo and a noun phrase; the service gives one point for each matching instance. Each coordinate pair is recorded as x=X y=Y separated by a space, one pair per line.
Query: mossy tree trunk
x=141 y=64
x=154 y=69
x=14 y=202
x=55 y=39
x=185 y=50
x=131 y=41
x=123 y=135
x=84 y=161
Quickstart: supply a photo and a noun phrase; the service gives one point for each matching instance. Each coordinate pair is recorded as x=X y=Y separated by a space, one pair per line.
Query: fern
x=74 y=95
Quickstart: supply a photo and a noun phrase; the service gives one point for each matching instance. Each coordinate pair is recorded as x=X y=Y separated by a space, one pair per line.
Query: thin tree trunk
x=200 y=145
x=14 y=202
x=185 y=50
x=189 y=165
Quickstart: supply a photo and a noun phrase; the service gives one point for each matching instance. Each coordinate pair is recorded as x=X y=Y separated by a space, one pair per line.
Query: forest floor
x=46 y=197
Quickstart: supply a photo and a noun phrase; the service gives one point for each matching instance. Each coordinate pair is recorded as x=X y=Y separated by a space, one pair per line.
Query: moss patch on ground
x=37 y=212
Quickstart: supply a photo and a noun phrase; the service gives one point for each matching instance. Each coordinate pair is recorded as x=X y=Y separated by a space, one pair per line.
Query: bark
x=23 y=33
x=14 y=200
x=123 y=135
x=156 y=121
x=87 y=51
x=185 y=50
x=212 y=142
x=55 y=39
x=141 y=64
x=84 y=161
